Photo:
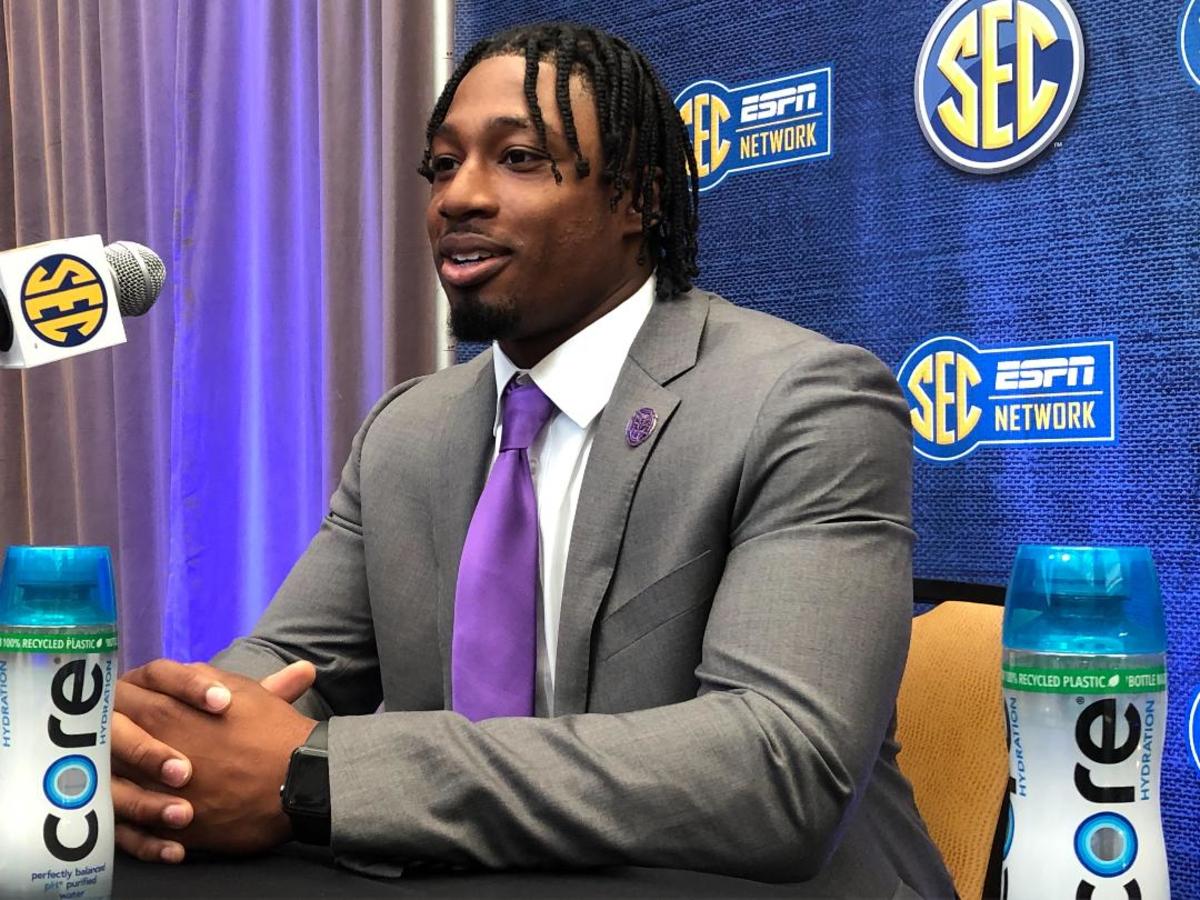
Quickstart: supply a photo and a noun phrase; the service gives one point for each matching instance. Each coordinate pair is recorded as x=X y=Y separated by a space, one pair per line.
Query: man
x=633 y=587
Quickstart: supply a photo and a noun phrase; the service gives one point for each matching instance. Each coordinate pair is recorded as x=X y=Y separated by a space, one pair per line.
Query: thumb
x=291 y=681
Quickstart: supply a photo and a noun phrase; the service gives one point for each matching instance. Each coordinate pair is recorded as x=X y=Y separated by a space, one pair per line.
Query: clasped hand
x=199 y=755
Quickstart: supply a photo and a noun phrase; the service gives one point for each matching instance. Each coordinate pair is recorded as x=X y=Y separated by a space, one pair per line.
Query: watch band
x=305 y=792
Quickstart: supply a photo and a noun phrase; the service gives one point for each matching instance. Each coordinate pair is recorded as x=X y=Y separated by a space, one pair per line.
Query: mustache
x=465 y=228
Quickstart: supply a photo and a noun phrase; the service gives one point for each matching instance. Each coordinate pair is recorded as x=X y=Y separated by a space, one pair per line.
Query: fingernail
x=217 y=697
x=171 y=853
x=177 y=815
x=176 y=772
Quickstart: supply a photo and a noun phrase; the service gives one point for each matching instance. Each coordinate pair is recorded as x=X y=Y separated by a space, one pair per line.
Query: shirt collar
x=579 y=374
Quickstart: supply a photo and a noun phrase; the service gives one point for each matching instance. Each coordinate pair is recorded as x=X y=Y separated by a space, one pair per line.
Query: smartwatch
x=305 y=792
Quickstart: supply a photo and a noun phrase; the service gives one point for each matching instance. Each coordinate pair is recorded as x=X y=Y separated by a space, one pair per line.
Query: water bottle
x=58 y=671
x=1086 y=707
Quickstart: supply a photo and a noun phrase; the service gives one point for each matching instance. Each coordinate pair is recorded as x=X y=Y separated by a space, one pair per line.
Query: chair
x=951 y=730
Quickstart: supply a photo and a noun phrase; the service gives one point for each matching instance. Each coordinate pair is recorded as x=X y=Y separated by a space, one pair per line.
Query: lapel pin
x=641 y=423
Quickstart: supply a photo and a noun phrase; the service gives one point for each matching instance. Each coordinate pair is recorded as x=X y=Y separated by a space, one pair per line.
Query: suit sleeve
x=802 y=657
x=322 y=611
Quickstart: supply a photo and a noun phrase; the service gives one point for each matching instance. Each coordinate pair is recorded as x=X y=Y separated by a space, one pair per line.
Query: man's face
x=524 y=259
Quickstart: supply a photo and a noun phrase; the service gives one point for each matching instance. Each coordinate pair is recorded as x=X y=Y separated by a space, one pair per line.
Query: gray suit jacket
x=735 y=620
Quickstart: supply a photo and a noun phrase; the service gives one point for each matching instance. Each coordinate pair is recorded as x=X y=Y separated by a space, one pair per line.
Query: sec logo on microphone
x=997 y=80
x=64 y=300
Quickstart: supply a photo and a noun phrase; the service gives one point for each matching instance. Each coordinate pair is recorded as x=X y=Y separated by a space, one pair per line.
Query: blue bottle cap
x=54 y=587
x=1084 y=600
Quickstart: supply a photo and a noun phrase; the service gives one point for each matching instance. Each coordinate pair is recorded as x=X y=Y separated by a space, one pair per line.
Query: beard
x=473 y=319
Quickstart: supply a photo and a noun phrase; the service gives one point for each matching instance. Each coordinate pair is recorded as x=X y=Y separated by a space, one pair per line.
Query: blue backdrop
x=885 y=245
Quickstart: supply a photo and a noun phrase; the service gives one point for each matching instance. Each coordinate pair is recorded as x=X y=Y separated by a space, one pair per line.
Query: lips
x=469 y=274
x=467 y=260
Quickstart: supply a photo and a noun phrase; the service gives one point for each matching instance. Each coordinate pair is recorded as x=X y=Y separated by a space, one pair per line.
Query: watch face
x=305 y=796
x=307 y=788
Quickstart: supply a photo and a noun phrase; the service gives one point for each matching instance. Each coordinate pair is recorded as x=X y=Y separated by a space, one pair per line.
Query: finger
x=194 y=685
x=136 y=805
x=147 y=847
x=155 y=713
x=138 y=754
x=291 y=681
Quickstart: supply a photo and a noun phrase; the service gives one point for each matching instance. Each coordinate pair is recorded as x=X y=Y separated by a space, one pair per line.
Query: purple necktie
x=494 y=655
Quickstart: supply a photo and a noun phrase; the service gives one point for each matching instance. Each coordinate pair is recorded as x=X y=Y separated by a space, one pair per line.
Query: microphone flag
x=58 y=299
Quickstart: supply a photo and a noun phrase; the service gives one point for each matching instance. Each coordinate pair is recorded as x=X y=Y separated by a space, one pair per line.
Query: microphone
x=59 y=299
x=139 y=274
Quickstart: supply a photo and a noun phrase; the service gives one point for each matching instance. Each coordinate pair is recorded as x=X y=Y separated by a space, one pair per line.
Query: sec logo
x=1189 y=41
x=997 y=80
x=64 y=300
x=1193 y=729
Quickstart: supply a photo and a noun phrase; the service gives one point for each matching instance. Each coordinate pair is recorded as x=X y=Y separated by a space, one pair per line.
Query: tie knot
x=526 y=410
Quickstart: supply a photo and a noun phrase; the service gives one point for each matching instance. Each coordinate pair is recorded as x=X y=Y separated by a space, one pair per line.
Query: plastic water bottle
x=57 y=676
x=1086 y=707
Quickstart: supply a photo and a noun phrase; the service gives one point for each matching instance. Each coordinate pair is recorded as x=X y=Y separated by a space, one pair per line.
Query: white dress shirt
x=578 y=376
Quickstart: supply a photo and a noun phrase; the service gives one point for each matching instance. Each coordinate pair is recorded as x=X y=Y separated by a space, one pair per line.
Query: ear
x=632 y=212
x=631 y=216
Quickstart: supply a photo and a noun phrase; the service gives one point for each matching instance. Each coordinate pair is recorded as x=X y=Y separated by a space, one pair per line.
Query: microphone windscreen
x=139 y=275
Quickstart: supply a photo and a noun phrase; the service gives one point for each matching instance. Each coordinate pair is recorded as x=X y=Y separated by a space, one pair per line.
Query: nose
x=469 y=193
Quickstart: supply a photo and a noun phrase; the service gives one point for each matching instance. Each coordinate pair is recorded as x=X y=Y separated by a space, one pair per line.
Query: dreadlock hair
x=644 y=142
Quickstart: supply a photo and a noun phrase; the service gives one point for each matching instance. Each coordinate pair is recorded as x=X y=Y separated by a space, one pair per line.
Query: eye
x=443 y=164
x=522 y=158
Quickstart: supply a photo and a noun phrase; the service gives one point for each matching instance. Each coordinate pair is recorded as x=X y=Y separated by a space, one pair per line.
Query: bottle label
x=1084 y=814
x=24 y=642
x=56 y=830
x=1147 y=680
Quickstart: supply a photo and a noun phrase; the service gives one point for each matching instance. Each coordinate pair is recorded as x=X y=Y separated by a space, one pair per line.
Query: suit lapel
x=666 y=347
x=465 y=445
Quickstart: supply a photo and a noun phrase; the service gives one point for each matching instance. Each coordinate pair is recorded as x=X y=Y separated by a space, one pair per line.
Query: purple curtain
x=267 y=152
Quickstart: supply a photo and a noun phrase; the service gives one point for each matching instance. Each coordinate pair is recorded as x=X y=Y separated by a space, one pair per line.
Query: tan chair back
x=950 y=724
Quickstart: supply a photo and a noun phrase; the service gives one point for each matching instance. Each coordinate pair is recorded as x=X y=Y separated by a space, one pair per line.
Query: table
x=300 y=872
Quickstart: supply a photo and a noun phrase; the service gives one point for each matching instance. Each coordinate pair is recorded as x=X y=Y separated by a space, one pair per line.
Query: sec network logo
x=962 y=397
x=997 y=80
x=1189 y=41
x=64 y=300
x=755 y=126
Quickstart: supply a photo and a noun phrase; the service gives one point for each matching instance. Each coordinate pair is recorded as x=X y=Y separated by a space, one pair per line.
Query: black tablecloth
x=295 y=871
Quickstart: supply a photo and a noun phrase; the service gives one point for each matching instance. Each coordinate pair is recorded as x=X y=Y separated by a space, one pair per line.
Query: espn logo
x=1037 y=374
x=778 y=103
